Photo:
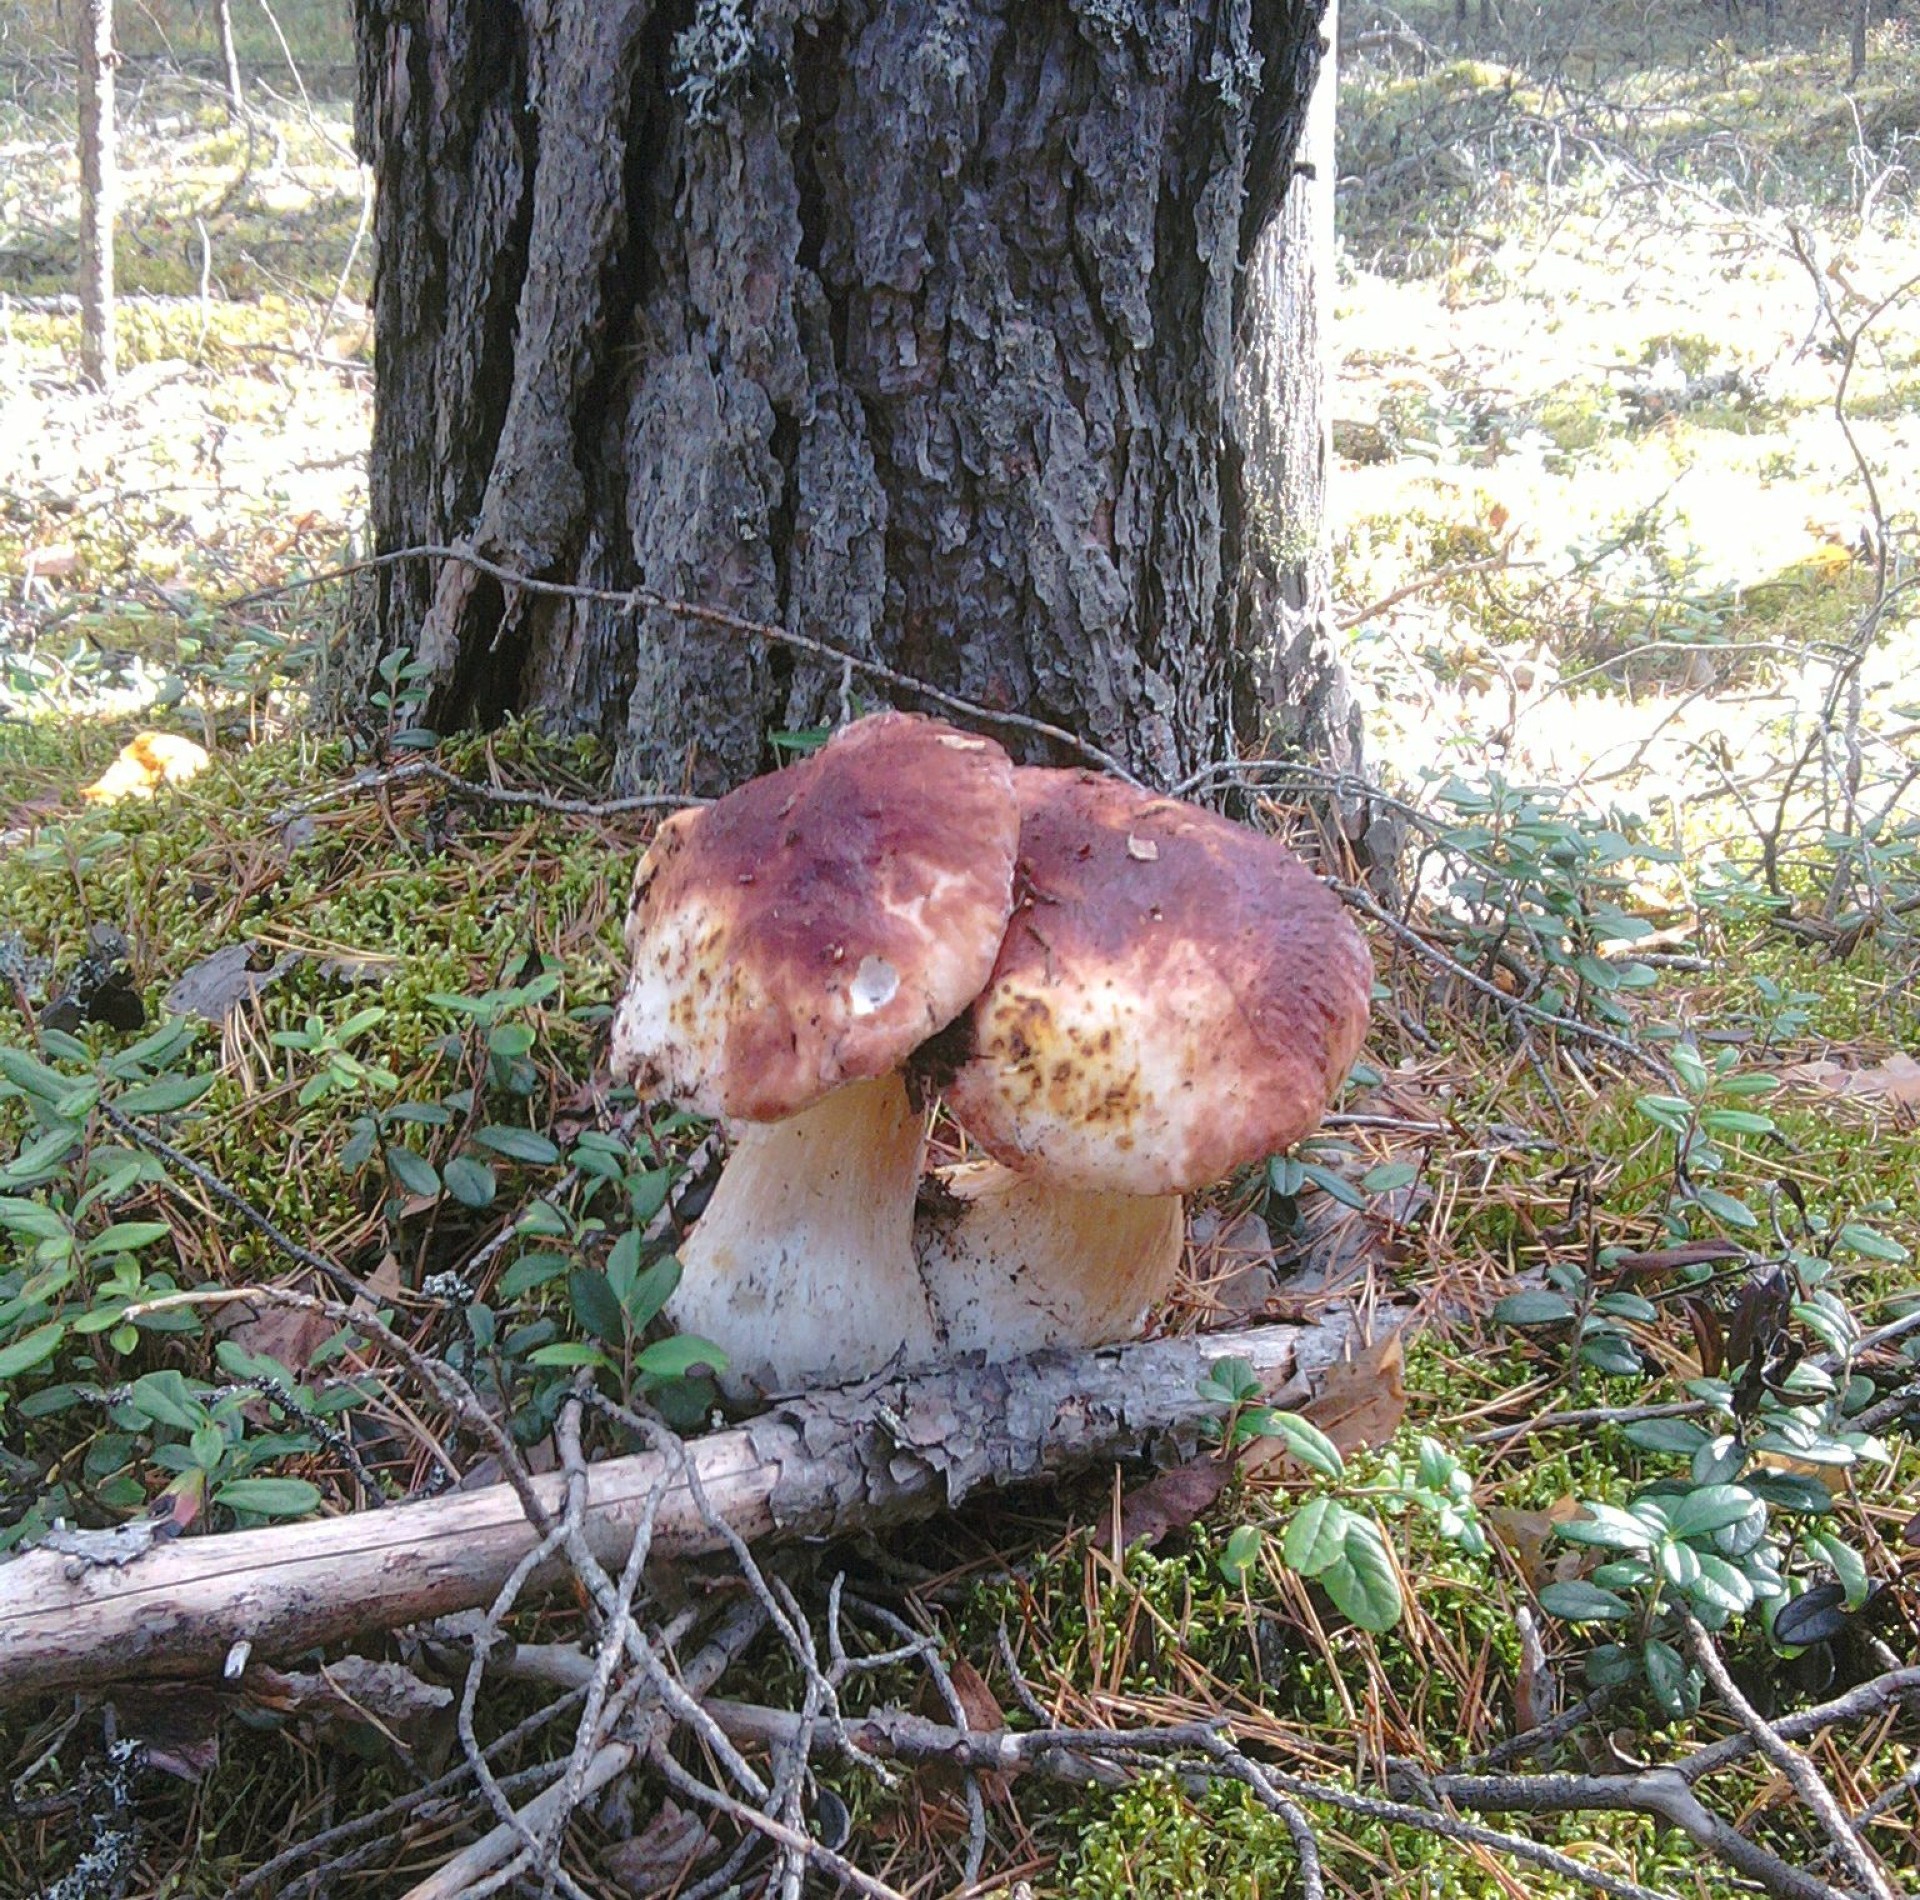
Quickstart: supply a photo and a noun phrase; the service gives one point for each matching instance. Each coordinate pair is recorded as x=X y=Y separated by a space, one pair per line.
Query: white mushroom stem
x=802 y=1266
x=1014 y=1265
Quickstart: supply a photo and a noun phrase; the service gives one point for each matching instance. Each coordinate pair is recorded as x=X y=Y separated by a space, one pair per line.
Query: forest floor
x=1627 y=430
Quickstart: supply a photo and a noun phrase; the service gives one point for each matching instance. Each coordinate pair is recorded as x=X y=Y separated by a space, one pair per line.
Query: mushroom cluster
x=1120 y=996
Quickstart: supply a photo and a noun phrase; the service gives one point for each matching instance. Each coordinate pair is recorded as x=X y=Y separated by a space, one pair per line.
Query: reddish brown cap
x=1177 y=995
x=814 y=926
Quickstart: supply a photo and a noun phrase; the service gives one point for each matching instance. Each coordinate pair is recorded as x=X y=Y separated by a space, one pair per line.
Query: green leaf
x=1725 y=1207
x=32 y=1349
x=32 y=1076
x=414 y=1172
x=544 y=1221
x=165 y=1398
x=37 y=1161
x=1306 y=1442
x=126 y=1237
x=163 y=1096
x=647 y=1192
x=569 y=1352
x=33 y=1218
x=1389 y=1175
x=596 y=1306
x=519 y=1144
x=1870 y=1242
x=676 y=1357
x=1315 y=1535
x=1535 y=1308
x=470 y=1182
x=1849 y=1567
x=1708 y=1509
x=531 y=1270
x=1330 y=1182
x=1579 y=1602
x=270 y=1497
x=1722 y=1584
x=651 y=1291
x=1609 y=1352
x=1680 y=1435
x=1362 y=1580
x=1736 y=1121
x=1666 y=1676
x=1610 y=1528
x=1243 y=1546
x=1629 y=1306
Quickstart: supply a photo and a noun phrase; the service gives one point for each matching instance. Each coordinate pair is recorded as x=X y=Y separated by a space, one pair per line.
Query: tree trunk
x=910 y=328
x=1858 y=49
x=99 y=190
x=1283 y=431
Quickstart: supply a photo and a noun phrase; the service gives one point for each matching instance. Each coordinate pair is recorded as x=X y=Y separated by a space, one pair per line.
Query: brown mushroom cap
x=813 y=927
x=1176 y=995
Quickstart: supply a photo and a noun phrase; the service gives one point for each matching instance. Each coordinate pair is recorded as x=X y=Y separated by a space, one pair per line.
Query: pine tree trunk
x=99 y=190
x=908 y=327
x=1283 y=433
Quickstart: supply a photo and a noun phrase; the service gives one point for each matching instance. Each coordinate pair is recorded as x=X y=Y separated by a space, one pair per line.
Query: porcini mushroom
x=791 y=945
x=1176 y=995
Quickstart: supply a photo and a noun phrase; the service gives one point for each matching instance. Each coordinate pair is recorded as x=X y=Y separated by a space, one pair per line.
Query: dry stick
x=351 y=1835
x=1791 y=1763
x=864 y=1458
x=229 y=1197
x=1659 y=1792
x=632 y=599
x=413 y=770
x=1063 y=1753
x=775 y=1830
x=494 y=1850
x=1859 y=1702
x=1364 y=901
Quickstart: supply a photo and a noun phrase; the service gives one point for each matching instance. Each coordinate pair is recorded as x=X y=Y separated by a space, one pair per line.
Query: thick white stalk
x=802 y=1266
x=1014 y=1265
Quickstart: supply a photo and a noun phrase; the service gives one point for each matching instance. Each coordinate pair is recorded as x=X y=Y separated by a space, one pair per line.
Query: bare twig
x=1791 y=1763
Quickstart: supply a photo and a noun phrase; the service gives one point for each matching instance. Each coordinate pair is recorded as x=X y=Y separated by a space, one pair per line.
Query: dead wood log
x=858 y=1458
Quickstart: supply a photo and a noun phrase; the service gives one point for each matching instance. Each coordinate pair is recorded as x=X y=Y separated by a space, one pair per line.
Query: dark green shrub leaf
x=414 y=1172
x=470 y=1182
x=519 y=1144
x=675 y=1358
x=1537 y=1307
x=1579 y=1602
x=270 y=1497
x=166 y=1096
x=596 y=1306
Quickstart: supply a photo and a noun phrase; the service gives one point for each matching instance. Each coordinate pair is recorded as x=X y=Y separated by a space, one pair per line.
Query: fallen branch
x=859 y=1458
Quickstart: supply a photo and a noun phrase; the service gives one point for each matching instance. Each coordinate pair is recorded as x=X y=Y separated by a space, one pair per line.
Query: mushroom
x=1176 y=995
x=791 y=945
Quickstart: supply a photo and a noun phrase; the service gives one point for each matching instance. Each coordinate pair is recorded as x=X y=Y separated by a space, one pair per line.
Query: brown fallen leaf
x=660 y=1857
x=1169 y=1501
x=146 y=762
x=1525 y=1534
x=1360 y=1402
x=1895 y=1081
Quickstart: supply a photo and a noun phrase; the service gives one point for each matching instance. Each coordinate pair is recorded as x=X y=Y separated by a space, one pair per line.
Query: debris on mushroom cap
x=1176 y=995
x=813 y=927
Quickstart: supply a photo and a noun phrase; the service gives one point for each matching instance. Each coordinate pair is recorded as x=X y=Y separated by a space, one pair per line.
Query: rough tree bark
x=1283 y=431
x=99 y=190
x=910 y=327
